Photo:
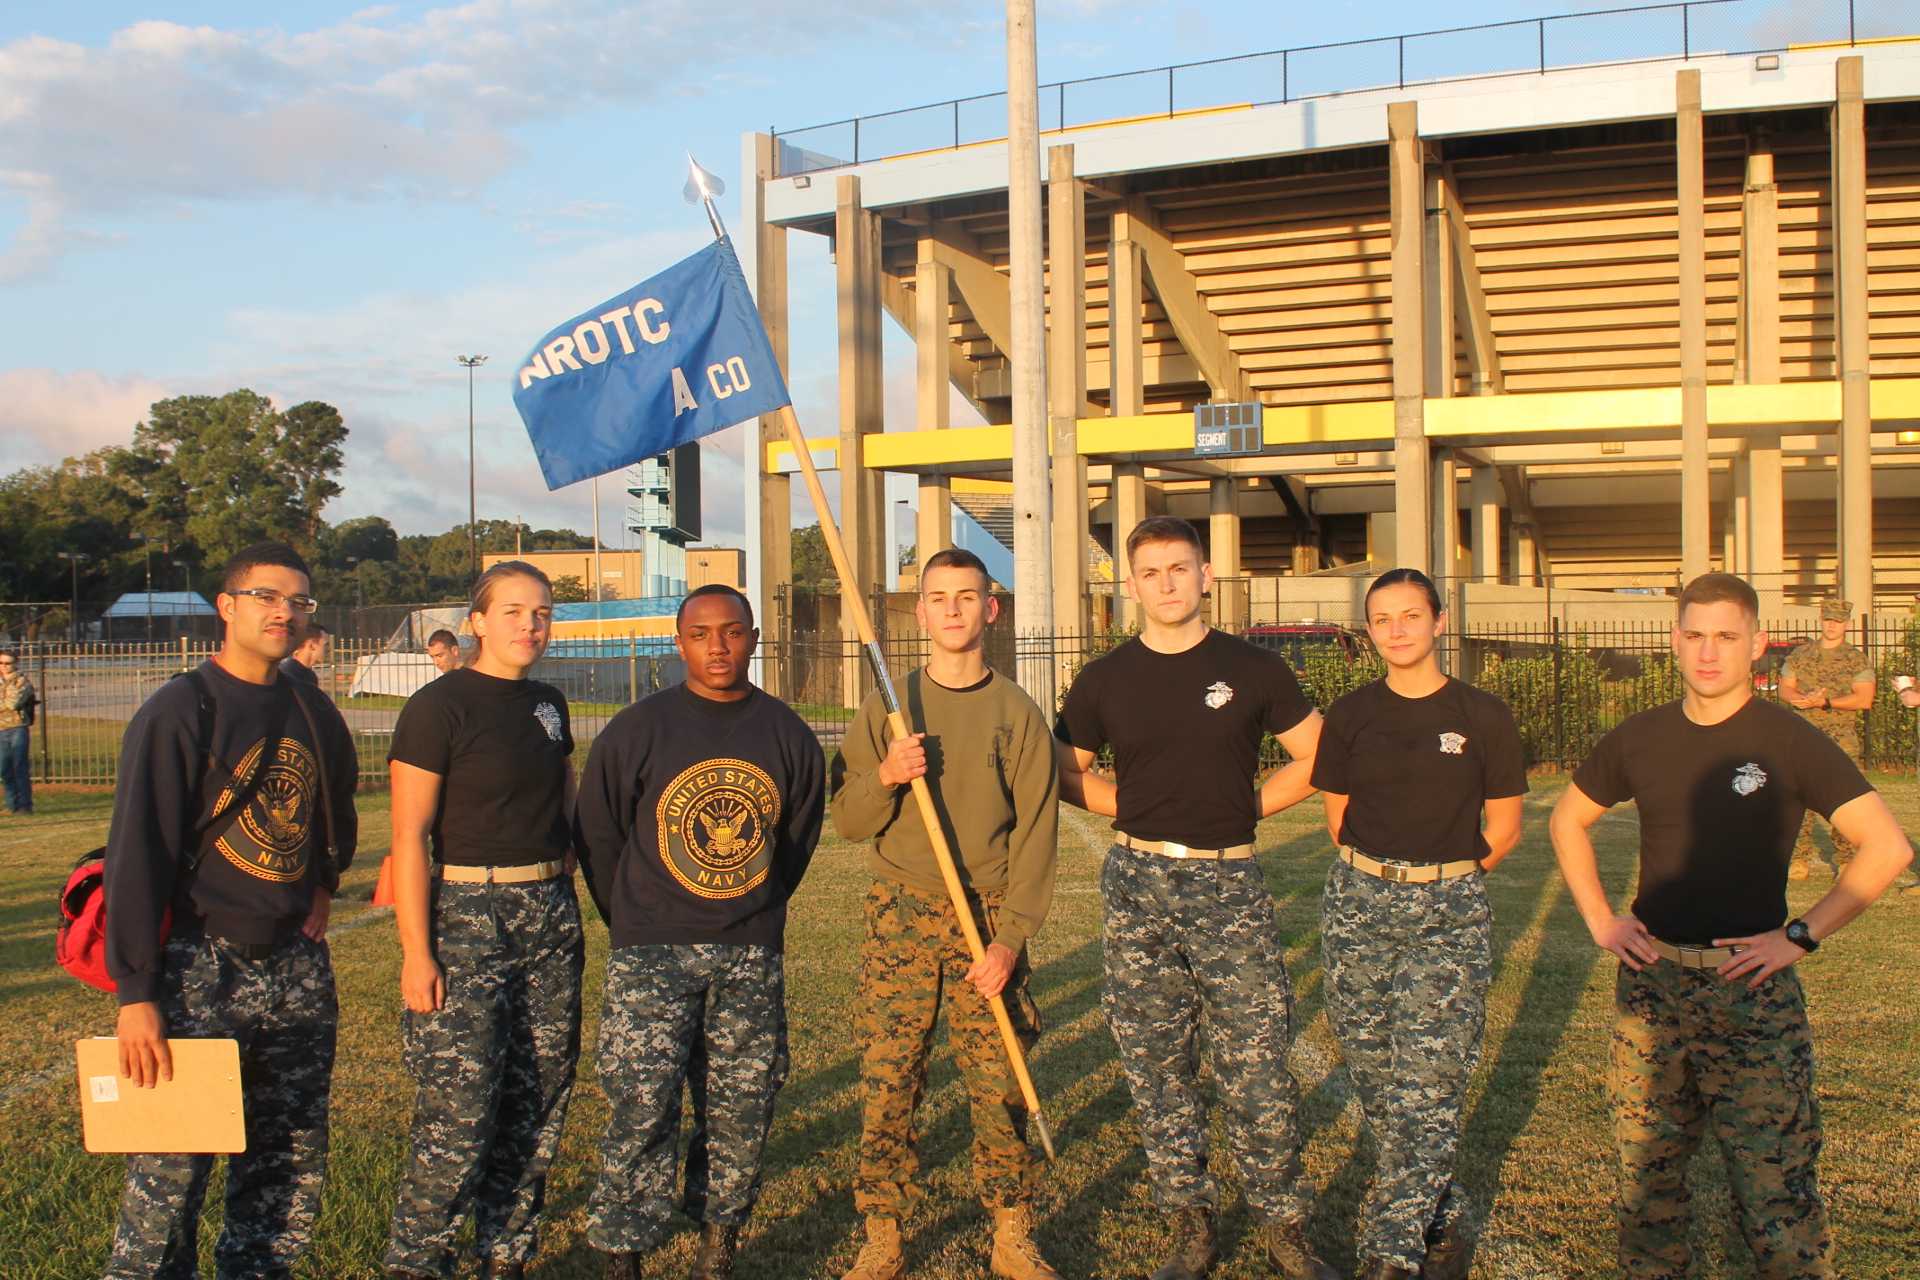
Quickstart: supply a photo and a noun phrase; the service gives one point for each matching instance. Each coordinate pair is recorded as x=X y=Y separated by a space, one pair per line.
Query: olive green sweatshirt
x=990 y=766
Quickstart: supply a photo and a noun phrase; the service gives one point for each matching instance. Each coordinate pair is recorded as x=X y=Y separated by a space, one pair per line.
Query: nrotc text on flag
x=645 y=319
x=674 y=358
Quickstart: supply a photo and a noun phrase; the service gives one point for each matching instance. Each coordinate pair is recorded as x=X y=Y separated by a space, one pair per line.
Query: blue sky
x=334 y=203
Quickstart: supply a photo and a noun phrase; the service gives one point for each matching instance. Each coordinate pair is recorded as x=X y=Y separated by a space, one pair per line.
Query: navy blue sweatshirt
x=697 y=818
x=255 y=882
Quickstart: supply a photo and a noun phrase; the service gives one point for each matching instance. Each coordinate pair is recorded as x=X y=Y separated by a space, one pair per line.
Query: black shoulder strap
x=916 y=706
x=208 y=708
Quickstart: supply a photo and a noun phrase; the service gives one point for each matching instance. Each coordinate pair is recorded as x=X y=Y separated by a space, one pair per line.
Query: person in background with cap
x=1831 y=682
x=1710 y=1027
x=17 y=697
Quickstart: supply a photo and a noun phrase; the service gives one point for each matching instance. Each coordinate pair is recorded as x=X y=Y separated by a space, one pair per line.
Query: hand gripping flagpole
x=702 y=187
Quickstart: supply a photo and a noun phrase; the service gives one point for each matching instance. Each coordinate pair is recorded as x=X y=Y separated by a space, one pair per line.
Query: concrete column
x=1484 y=494
x=1411 y=480
x=1762 y=553
x=1765 y=493
x=1696 y=546
x=775 y=501
x=1850 y=333
x=1128 y=391
x=1440 y=282
x=1445 y=562
x=1223 y=552
x=1067 y=386
x=932 y=297
x=863 y=513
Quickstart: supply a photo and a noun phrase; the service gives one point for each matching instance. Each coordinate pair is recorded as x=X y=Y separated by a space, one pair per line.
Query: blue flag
x=679 y=356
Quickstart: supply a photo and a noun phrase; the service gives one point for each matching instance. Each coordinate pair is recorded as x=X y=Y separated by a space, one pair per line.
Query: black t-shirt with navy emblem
x=1185 y=730
x=1416 y=771
x=697 y=818
x=1720 y=806
x=500 y=747
x=178 y=842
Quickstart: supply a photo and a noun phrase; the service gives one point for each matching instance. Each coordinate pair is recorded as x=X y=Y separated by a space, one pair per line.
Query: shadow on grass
x=820 y=1112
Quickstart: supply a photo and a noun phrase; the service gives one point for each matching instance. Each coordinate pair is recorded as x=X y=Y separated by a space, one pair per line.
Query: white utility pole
x=1032 y=506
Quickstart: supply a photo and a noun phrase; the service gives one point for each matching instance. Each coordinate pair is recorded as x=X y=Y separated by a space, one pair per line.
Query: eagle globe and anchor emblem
x=715 y=825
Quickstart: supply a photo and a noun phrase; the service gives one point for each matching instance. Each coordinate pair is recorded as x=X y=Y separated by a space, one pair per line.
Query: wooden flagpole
x=936 y=836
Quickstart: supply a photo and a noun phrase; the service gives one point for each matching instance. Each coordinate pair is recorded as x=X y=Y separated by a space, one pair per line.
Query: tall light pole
x=73 y=558
x=473 y=542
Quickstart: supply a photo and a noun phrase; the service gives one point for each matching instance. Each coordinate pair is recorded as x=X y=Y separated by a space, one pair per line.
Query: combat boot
x=1374 y=1269
x=880 y=1258
x=1292 y=1257
x=622 y=1266
x=1015 y=1255
x=1194 y=1248
x=715 y=1259
x=1449 y=1254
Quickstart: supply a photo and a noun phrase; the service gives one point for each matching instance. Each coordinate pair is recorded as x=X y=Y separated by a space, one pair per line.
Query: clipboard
x=198 y=1112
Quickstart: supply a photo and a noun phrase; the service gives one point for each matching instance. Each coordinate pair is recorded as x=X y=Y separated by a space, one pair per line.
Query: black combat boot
x=1374 y=1269
x=1291 y=1255
x=715 y=1259
x=622 y=1266
x=1194 y=1249
x=1449 y=1253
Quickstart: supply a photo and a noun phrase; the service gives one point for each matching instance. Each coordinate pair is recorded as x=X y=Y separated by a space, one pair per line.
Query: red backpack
x=81 y=943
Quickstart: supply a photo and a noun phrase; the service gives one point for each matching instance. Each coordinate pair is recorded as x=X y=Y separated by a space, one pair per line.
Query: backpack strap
x=246 y=787
x=916 y=705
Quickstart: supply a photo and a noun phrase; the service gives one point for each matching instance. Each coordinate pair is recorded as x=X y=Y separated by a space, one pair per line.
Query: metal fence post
x=633 y=669
x=1560 y=695
x=46 y=741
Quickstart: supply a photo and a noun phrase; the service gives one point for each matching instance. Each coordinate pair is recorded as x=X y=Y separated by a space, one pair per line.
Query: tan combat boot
x=1015 y=1255
x=880 y=1258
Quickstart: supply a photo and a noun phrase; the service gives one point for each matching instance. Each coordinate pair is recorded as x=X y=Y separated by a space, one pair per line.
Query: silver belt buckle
x=1174 y=849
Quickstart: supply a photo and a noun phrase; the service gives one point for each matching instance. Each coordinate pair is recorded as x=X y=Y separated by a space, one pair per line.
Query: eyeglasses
x=272 y=599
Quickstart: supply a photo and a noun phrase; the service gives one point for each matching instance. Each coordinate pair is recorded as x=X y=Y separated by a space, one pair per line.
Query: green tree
x=812 y=566
x=365 y=538
x=568 y=589
x=238 y=470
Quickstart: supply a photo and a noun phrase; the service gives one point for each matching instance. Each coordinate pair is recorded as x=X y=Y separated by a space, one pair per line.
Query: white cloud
x=377 y=106
x=47 y=415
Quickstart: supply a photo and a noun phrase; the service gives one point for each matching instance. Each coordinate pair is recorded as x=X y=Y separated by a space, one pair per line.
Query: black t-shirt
x=1417 y=770
x=1720 y=806
x=501 y=748
x=1185 y=730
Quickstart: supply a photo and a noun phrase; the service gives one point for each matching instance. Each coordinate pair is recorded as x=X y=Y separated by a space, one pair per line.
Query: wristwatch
x=1799 y=935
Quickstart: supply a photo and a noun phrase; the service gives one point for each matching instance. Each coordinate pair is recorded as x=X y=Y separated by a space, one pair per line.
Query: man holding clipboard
x=232 y=822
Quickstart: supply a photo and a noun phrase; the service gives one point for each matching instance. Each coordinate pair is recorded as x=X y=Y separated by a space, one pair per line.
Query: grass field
x=1536 y=1154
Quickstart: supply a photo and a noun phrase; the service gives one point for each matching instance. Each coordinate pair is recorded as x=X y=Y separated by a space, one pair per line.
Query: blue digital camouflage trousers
x=283 y=1013
x=493 y=1069
x=1194 y=947
x=1407 y=972
x=662 y=1001
x=1692 y=1051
